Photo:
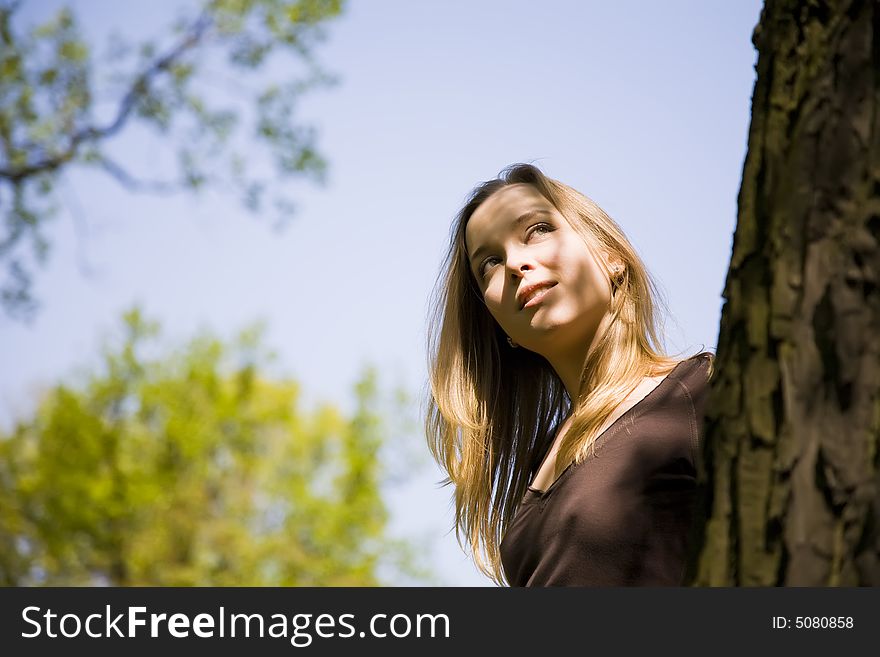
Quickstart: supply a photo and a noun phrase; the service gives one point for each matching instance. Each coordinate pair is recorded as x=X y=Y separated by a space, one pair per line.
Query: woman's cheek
x=493 y=295
x=493 y=303
x=493 y=308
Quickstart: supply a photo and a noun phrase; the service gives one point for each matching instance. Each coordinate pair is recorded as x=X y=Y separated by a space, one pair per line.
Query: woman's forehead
x=508 y=200
x=502 y=209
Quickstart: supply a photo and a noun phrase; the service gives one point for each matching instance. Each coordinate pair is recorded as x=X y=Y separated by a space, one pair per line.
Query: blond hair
x=493 y=411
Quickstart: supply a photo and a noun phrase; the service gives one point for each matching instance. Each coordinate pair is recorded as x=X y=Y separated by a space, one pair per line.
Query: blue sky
x=642 y=106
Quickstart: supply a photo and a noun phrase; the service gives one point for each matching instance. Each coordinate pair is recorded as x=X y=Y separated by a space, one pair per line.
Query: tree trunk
x=789 y=483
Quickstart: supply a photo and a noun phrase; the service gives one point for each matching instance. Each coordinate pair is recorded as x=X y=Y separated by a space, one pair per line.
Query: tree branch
x=132 y=184
x=138 y=89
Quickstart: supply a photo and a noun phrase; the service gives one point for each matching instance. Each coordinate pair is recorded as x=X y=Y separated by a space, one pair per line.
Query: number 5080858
x=823 y=622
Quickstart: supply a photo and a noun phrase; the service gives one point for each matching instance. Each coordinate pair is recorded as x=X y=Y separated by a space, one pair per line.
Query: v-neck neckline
x=543 y=494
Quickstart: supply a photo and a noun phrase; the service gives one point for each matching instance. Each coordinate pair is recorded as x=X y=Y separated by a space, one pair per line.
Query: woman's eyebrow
x=525 y=216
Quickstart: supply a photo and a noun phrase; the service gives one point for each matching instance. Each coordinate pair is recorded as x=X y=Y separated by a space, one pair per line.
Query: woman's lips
x=537 y=296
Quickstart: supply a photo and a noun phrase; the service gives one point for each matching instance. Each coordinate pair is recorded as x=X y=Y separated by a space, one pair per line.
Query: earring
x=513 y=345
x=616 y=281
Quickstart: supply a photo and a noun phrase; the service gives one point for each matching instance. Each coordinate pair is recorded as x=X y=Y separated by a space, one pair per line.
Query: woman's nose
x=519 y=262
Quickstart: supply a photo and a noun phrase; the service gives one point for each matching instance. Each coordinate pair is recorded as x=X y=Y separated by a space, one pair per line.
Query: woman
x=570 y=438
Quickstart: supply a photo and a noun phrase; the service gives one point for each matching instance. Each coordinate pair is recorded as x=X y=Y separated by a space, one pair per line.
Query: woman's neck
x=569 y=362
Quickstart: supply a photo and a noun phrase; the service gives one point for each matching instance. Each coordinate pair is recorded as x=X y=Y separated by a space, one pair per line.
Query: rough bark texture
x=789 y=474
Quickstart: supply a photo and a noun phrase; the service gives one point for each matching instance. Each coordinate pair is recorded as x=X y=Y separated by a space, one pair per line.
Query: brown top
x=621 y=517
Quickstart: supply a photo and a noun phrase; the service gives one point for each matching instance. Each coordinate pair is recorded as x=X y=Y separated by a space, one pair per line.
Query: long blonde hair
x=493 y=411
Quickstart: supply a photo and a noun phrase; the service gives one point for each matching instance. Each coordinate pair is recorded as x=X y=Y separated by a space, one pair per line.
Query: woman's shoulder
x=696 y=371
x=694 y=380
x=691 y=377
x=676 y=421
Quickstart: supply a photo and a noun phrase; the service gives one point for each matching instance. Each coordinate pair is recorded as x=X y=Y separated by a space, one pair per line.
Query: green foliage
x=195 y=468
x=50 y=119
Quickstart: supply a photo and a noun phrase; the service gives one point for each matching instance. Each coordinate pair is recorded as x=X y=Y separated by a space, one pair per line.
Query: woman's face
x=517 y=239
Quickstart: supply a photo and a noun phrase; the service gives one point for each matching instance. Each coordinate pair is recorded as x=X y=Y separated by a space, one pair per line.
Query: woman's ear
x=616 y=272
x=614 y=263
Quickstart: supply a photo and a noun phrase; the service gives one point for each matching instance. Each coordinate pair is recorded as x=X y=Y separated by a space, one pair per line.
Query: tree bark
x=789 y=483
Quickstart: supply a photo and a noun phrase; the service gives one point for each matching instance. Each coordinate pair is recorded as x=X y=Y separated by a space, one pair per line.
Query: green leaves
x=194 y=467
x=205 y=92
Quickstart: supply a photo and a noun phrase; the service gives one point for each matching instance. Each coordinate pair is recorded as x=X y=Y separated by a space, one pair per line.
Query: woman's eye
x=542 y=227
x=485 y=266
